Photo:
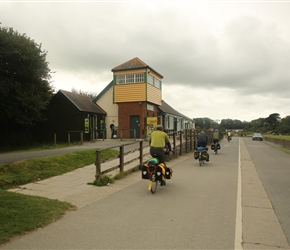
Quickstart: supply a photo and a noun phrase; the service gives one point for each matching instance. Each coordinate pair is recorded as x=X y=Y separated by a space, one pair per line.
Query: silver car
x=257 y=137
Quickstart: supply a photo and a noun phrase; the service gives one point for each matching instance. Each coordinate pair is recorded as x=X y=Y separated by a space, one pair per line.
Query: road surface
x=239 y=200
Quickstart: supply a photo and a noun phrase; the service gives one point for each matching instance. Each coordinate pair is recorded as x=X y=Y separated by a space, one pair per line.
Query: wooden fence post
x=141 y=152
x=98 y=165
x=68 y=137
x=180 y=139
x=191 y=142
x=174 y=144
x=82 y=137
x=121 y=159
x=186 y=141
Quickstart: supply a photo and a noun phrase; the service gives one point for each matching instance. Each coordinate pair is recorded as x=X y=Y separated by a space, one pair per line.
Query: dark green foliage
x=25 y=84
x=104 y=180
x=271 y=124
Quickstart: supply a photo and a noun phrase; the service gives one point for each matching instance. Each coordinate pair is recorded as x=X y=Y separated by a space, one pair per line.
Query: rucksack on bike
x=153 y=161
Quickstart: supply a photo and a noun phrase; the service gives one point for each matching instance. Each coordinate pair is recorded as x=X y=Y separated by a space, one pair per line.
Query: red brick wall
x=127 y=109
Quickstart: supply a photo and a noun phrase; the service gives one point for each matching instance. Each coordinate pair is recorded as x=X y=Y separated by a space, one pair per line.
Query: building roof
x=166 y=108
x=83 y=103
x=134 y=63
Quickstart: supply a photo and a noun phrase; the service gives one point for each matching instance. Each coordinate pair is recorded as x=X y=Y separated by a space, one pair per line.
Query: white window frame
x=130 y=78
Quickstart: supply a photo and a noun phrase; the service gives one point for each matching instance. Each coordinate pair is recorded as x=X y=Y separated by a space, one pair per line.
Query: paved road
x=273 y=168
x=6 y=158
x=221 y=205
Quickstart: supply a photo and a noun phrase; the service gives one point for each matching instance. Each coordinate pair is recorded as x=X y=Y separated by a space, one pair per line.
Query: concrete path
x=74 y=186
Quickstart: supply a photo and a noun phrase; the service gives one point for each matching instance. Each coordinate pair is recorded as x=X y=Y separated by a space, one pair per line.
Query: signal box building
x=135 y=94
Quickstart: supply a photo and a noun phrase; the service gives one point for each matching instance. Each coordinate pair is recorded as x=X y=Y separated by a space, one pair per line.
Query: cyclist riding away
x=158 y=140
x=229 y=135
x=202 y=141
x=216 y=136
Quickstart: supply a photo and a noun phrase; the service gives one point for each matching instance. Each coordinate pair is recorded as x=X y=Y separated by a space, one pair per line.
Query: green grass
x=22 y=213
x=23 y=172
x=285 y=137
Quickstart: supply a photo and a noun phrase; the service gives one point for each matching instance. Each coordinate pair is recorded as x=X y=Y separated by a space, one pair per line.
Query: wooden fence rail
x=182 y=142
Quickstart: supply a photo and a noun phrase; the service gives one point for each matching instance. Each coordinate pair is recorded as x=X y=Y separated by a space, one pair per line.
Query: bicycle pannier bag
x=204 y=155
x=160 y=172
x=168 y=173
x=144 y=171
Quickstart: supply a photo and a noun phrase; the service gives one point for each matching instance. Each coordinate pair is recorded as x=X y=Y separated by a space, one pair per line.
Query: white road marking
x=239 y=226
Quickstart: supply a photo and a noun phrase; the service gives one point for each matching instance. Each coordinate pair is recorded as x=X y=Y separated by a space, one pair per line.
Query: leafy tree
x=204 y=123
x=87 y=93
x=25 y=83
x=231 y=124
x=284 y=126
x=272 y=121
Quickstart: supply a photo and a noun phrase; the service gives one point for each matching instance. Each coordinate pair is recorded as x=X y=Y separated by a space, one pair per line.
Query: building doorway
x=134 y=126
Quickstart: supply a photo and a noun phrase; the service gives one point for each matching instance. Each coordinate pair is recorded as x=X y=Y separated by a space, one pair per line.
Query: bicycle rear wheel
x=200 y=159
x=153 y=185
x=200 y=162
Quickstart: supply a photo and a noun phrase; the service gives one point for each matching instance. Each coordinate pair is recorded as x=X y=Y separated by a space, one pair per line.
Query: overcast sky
x=219 y=59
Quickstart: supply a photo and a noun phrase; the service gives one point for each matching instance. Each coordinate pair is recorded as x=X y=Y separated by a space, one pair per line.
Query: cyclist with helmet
x=158 y=140
x=202 y=142
x=216 y=136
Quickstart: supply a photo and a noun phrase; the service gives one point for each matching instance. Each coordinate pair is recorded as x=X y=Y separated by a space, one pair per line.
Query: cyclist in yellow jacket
x=158 y=140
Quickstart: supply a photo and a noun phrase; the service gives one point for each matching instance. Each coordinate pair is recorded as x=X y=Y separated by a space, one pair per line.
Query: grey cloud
x=240 y=49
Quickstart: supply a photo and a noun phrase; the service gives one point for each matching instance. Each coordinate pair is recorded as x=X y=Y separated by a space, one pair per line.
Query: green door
x=134 y=126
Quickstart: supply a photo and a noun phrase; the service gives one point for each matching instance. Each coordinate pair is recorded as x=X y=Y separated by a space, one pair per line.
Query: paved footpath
x=73 y=186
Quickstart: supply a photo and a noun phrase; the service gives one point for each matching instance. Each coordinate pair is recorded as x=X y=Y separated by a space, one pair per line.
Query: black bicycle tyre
x=154 y=185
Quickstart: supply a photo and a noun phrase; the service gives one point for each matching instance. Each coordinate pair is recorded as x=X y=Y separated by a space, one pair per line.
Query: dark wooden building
x=75 y=115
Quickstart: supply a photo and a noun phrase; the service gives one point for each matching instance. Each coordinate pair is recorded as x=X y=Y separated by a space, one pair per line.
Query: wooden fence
x=182 y=142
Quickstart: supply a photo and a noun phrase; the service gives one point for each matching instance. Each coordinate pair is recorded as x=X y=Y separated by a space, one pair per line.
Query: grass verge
x=23 y=172
x=23 y=213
